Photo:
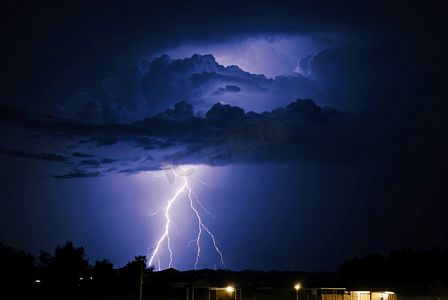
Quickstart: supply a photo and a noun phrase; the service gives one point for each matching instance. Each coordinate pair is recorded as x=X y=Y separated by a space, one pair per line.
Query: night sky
x=309 y=132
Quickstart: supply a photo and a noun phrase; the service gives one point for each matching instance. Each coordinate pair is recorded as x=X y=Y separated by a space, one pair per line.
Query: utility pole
x=141 y=280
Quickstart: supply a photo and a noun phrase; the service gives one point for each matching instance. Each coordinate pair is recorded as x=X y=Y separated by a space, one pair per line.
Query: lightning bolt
x=166 y=206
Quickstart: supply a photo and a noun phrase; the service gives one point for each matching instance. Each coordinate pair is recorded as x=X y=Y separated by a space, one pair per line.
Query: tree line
x=66 y=274
x=407 y=270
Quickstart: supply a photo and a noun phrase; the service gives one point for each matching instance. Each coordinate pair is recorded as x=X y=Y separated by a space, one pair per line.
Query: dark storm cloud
x=115 y=34
x=108 y=160
x=76 y=154
x=228 y=88
x=112 y=107
x=142 y=168
x=301 y=131
x=149 y=158
x=150 y=88
x=298 y=131
x=76 y=173
x=182 y=110
x=44 y=156
x=272 y=136
x=387 y=74
x=368 y=75
x=199 y=80
x=232 y=89
x=224 y=115
x=89 y=162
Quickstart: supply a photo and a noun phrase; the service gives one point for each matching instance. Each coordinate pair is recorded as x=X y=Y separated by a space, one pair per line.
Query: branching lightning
x=166 y=206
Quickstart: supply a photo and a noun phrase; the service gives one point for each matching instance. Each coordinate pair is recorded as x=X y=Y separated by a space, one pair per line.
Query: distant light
x=81 y=278
x=388 y=292
x=297 y=286
x=37 y=281
x=363 y=292
x=230 y=289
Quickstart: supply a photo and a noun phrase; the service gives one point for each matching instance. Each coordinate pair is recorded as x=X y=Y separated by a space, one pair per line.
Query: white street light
x=297 y=287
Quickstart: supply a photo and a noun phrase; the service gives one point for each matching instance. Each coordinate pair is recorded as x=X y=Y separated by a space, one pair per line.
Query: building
x=372 y=295
x=323 y=293
x=257 y=285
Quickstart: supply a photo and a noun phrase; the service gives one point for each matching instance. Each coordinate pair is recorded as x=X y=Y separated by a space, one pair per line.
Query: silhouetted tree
x=371 y=267
x=103 y=268
x=408 y=270
x=64 y=270
x=17 y=269
x=103 y=277
x=130 y=274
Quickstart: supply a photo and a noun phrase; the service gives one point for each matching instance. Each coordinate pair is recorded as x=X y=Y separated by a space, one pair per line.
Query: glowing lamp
x=230 y=289
x=297 y=287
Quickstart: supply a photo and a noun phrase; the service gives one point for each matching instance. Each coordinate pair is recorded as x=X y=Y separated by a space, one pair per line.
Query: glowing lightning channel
x=166 y=207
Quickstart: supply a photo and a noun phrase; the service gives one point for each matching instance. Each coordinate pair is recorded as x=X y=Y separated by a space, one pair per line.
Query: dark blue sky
x=108 y=108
